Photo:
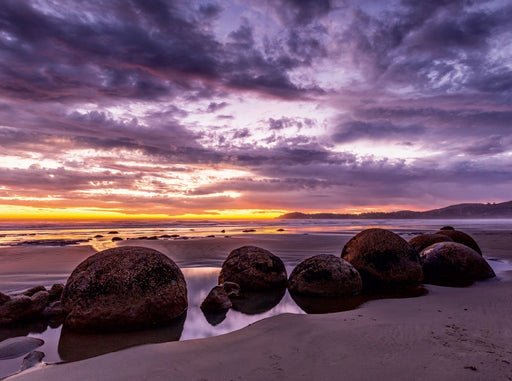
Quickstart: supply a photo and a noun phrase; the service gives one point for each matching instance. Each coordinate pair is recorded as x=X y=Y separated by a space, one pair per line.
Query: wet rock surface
x=254 y=269
x=325 y=275
x=453 y=264
x=122 y=289
x=383 y=259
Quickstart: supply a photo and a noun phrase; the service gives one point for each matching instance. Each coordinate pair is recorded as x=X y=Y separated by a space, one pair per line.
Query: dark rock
x=210 y=236
x=34 y=290
x=124 y=288
x=39 y=302
x=31 y=360
x=4 y=298
x=215 y=317
x=18 y=346
x=223 y=231
x=53 y=310
x=254 y=269
x=249 y=230
x=453 y=264
x=447 y=228
x=143 y=237
x=116 y=239
x=175 y=235
x=325 y=275
x=98 y=236
x=56 y=291
x=384 y=259
x=165 y=236
x=217 y=300
x=461 y=237
x=232 y=289
x=280 y=230
x=17 y=308
x=153 y=237
x=113 y=232
x=424 y=240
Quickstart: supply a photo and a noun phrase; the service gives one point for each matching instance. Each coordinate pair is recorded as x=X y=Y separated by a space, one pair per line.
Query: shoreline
x=456 y=328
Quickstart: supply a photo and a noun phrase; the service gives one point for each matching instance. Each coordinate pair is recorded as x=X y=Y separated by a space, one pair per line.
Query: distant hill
x=468 y=210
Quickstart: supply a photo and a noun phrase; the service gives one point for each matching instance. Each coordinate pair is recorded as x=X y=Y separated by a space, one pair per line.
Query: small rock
x=34 y=290
x=56 y=291
x=18 y=308
x=31 y=360
x=4 y=298
x=98 y=236
x=448 y=227
x=39 y=302
x=217 y=300
x=113 y=232
x=116 y=239
x=52 y=310
x=248 y=230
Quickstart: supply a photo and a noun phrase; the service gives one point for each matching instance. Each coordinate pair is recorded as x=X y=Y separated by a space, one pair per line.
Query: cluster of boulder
x=37 y=303
x=130 y=288
x=373 y=260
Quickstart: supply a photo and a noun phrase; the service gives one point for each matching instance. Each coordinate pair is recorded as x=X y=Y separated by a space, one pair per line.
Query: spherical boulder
x=254 y=269
x=325 y=275
x=453 y=264
x=384 y=259
x=461 y=237
x=123 y=289
x=424 y=240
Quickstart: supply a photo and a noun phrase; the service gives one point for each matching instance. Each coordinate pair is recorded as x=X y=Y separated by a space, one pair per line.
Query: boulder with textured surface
x=122 y=289
x=254 y=269
x=384 y=259
x=452 y=263
x=424 y=240
x=217 y=300
x=461 y=237
x=325 y=275
x=232 y=289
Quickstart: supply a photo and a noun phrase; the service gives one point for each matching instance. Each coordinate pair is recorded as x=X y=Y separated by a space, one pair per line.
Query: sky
x=231 y=108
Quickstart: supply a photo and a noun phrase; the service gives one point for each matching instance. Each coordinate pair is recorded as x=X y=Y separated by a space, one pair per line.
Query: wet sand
x=451 y=333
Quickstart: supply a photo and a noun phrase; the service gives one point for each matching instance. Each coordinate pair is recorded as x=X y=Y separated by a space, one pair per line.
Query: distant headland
x=467 y=210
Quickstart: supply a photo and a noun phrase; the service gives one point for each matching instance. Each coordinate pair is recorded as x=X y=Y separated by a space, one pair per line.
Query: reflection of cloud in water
x=199 y=283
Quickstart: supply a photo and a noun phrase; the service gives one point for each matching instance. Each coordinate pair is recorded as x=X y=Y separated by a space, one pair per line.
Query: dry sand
x=449 y=334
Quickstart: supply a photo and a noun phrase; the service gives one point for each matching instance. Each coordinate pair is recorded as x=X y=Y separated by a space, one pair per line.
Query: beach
x=449 y=333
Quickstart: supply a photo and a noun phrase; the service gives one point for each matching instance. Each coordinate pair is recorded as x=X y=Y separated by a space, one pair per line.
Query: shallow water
x=66 y=346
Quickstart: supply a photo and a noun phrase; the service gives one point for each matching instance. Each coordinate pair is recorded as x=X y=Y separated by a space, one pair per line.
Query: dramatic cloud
x=180 y=107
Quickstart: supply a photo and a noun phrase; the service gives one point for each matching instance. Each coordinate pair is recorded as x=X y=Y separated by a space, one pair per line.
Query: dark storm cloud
x=134 y=49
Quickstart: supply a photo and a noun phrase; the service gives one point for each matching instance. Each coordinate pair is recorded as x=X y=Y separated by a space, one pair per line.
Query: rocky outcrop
x=122 y=289
x=325 y=275
x=254 y=269
x=453 y=264
x=461 y=237
x=383 y=259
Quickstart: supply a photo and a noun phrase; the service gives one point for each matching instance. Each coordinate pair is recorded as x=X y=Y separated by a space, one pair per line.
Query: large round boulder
x=384 y=259
x=424 y=240
x=461 y=237
x=325 y=275
x=123 y=289
x=254 y=269
x=453 y=264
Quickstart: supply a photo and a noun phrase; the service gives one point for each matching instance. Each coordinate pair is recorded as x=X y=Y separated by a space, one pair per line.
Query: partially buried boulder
x=424 y=240
x=325 y=275
x=122 y=289
x=254 y=269
x=383 y=259
x=217 y=300
x=453 y=264
x=461 y=237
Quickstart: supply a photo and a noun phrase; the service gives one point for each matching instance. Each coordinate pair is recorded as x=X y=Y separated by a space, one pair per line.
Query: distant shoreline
x=459 y=211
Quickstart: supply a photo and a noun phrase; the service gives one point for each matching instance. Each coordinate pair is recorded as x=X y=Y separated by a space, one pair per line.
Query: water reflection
x=79 y=346
x=254 y=303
